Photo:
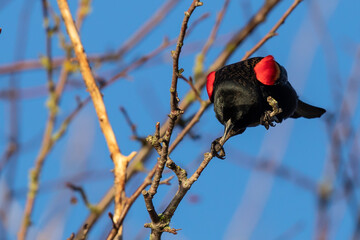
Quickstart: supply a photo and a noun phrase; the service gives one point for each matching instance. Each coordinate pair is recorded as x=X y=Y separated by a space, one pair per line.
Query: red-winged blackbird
x=252 y=92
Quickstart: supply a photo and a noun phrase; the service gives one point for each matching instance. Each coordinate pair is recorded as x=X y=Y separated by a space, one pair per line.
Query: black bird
x=253 y=92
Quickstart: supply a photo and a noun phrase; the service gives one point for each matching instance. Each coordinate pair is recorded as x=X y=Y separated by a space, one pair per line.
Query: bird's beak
x=227 y=132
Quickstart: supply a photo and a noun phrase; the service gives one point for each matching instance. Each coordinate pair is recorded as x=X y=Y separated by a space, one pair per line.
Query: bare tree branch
x=120 y=161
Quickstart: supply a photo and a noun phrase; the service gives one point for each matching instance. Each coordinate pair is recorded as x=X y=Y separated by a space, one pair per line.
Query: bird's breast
x=240 y=103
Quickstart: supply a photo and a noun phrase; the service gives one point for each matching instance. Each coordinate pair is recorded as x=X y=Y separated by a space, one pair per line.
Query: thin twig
x=72 y=236
x=111 y=216
x=10 y=150
x=273 y=30
x=176 y=55
x=93 y=217
x=84 y=9
x=82 y=194
x=215 y=29
x=54 y=98
x=132 y=126
x=191 y=84
x=194 y=120
x=128 y=120
x=48 y=66
x=150 y=207
x=166 y=181
x=200 y=58
x=147 y=27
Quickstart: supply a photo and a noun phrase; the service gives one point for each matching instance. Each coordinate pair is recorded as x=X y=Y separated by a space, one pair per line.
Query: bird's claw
x=269 y=117
x=267 y=120
x=217 y=150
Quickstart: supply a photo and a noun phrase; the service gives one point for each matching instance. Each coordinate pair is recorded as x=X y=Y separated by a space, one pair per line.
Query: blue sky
x=319 y=47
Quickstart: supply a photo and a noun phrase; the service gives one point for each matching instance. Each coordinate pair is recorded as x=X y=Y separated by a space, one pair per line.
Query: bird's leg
x=270 y=116
x=217 y=145
x=275 y=106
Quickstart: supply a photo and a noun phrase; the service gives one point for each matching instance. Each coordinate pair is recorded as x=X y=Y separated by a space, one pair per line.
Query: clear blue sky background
x=318 y=44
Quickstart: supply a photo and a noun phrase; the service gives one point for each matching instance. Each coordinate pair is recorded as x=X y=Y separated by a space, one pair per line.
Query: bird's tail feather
x=307 y=111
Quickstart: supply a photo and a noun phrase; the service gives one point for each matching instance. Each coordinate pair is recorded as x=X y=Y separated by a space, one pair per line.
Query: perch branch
x=157 y=226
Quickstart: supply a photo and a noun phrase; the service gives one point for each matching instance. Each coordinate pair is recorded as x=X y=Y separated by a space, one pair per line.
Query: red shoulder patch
x=267 y=70
x=210 y=83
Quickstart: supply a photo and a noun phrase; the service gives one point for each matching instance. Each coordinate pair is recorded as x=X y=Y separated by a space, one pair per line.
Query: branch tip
x=111 y=216
x=131 y=156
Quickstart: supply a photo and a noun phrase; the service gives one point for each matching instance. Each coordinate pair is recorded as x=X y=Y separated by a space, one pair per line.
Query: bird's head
x=267 y=71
